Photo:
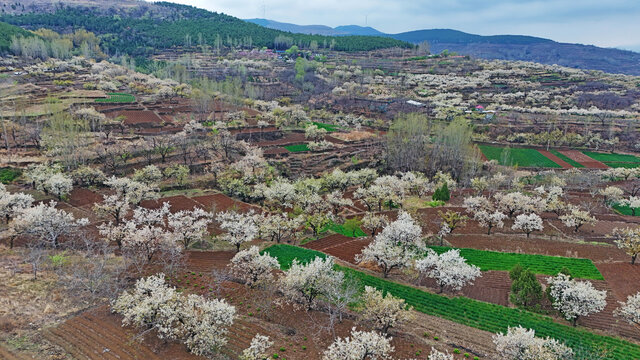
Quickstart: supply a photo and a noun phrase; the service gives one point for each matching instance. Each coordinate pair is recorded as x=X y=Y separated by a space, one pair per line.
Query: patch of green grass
x=517 y=156
x=340 y=229
x=8 y=174
x=286 y=253
x=567 y=159
x=117 y=98
x=621 y=165
x=615 y=160
x=328 y=127
x=474 y=313
x=539 y=264
x=625 y=210
x=297 y=148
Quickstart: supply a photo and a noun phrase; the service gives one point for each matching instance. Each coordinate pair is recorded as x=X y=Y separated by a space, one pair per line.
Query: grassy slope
x=477 y=314
x=518 y=156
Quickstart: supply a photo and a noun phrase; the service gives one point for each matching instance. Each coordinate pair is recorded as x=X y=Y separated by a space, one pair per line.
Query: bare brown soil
x=555 y=159
x=583 y=159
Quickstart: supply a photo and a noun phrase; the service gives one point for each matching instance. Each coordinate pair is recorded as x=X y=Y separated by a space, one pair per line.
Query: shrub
x=442 y=193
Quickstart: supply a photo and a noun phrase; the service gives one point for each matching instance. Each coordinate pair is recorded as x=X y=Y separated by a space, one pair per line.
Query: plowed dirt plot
x=493 y=287
x=177 y=203
x=138 y=117
x=605 y=320
x=340 y=246
x=221 y=202
x=206 y=261
x=290 y=138
x=583 y=159
x=622 y=277
x=98 y=334
x=507 y=243
x=555 y=159
x=82 y=197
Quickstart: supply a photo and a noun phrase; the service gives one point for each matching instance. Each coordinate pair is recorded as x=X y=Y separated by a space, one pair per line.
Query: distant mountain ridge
x=499 y=47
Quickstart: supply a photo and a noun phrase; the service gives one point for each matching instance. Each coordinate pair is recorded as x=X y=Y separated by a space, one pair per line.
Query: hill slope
x=501 y=47
x=140 y=28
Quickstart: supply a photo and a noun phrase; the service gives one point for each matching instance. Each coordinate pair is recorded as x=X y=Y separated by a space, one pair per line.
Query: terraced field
x=615 y=160
x=481 y=315
x=517 y=156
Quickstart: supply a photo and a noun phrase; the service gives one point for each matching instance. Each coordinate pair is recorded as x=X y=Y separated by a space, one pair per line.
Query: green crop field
x=477 y=314
x=539 y=264
x=328 y=127
x=340 y=229
x=297 y=148
x=567 y=159
x=625 y=210
x=615 y=160
x=117 y=98
x=286 y=253
x=517 y=156
x=8 y=174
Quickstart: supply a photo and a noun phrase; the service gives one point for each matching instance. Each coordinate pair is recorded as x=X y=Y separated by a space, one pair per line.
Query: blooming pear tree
x=528 y=223
x=395 y=246
x=630 y=310
x=490 y=220
x=374 y=222
x=201 y=324
x=115 y=206
x=611 y=194
x=132 y=190
x=438 y=355
x=628 y=240
x=305 y=284
x=59 y=185
x=521 y=344
x=252 y=267
x=189 y=226
x=575 y=218
x=239 y=228
x=278 y=227
x=384 y=312
x=145 y=234
x=360 y=346
x=449 y=269
x=257 y=350
x=12 y=204
x=46 y=224
x=574 y=299
x=632 y=202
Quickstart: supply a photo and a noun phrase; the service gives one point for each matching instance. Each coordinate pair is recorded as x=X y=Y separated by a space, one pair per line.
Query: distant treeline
x=188 y=26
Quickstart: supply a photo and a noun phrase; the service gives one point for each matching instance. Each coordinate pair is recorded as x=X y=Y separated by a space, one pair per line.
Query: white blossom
x=239 y=228
x=360 y=346
x=46 y=223
x=305 y=283
x=575 y=218
x=258 y=348
x=528 y=223
x=395 y=246
x=449 y=269
x=252 y=267
x=521 y=344
x=575 y=298
x=630 y=310
x=384 y=312
x=189 y=226
x=628 y=239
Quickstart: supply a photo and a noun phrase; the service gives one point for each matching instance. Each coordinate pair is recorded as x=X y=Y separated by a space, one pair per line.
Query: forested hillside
x=183 y=26
x=7 y=32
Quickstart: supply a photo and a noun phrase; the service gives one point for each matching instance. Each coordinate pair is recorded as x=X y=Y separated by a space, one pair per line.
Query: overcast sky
x=607 y=23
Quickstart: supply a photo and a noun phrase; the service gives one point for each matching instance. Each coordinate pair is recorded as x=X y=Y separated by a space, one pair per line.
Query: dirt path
x=583 y=159
x=555 y=159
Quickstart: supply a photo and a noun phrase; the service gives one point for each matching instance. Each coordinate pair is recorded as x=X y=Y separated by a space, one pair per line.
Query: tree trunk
x=633 y=257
